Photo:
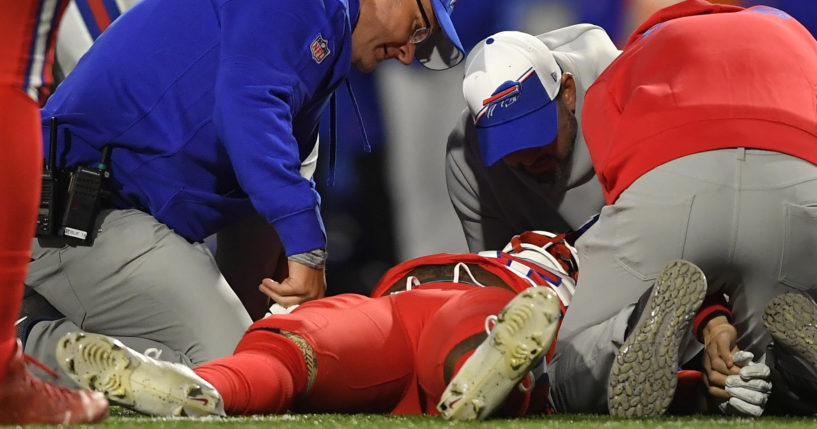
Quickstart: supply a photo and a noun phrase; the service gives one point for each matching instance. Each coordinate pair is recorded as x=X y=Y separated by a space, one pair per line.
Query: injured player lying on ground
x=463 y=335
x=392 y=352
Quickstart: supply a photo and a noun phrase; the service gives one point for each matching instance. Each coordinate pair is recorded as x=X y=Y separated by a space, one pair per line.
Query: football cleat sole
x=524 y=331
x=133 y=380
x=644 y=373
x=791 y=319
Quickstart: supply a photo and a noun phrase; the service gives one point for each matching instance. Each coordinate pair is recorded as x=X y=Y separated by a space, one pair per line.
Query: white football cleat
x=523 y=333
x=134 y=380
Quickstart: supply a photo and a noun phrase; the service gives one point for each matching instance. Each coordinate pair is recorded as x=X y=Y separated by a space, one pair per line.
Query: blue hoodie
x=210 y=107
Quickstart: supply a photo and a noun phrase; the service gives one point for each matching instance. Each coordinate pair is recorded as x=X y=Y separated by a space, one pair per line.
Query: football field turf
x=121 y=419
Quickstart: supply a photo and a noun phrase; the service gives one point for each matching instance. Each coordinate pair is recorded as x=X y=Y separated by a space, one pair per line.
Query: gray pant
x=747 y=217
x=140 y=282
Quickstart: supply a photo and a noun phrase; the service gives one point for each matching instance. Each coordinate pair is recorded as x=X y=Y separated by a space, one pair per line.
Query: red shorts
x=389 y=354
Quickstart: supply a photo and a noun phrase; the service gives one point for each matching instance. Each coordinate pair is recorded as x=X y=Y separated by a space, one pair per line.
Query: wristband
x=712 y=307
x=313 y=259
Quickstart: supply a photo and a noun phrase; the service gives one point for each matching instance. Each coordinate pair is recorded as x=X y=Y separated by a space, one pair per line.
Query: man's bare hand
x=740 y=385
x=303 y=284
x=720 y=339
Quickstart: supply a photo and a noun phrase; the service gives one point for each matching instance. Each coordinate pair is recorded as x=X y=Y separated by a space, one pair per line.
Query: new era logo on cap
x=511 y=84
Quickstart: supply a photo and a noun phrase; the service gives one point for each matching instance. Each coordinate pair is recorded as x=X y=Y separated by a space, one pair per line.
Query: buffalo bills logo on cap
x=319 y=48
x=504 y=96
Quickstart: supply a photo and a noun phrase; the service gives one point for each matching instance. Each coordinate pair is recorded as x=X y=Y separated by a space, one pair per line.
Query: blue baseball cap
x=442 y=49
x=511 y=84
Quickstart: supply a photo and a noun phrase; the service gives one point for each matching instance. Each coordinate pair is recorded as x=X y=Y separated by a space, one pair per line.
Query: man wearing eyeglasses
x=525 y=165
x=210 y=111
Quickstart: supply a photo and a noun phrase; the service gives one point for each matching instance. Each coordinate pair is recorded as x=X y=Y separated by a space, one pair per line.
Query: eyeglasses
x=419 y=35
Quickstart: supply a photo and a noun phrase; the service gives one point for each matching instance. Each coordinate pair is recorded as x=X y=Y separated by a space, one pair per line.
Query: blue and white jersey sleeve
x=82 y=23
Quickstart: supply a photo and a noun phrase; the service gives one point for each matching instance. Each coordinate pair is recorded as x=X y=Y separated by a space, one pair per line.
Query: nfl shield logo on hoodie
x=319 y=48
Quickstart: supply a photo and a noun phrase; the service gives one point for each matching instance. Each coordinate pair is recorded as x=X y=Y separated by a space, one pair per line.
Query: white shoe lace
x=411 y=281
x=521 y=384
x=153 y=353
x=490 y=322
x=467 y=270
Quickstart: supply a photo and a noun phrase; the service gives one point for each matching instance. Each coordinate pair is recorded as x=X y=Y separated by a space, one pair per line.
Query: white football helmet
x=546 y=249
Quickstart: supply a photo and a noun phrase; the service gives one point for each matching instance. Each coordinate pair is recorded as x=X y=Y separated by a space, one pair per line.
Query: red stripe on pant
x=100 y=14
x=17 y=22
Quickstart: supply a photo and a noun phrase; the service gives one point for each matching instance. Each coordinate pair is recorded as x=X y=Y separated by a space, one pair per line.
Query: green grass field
x=121 y=418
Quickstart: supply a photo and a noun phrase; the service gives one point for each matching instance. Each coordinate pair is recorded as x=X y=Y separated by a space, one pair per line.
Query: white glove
x=280 y=309
x=749 y=390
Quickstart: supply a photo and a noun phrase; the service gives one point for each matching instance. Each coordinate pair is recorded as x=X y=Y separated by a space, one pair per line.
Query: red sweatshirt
x=696 y=77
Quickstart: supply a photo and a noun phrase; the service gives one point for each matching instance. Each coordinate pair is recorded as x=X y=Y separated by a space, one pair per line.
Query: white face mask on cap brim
x=438 y=53
x=443 y=48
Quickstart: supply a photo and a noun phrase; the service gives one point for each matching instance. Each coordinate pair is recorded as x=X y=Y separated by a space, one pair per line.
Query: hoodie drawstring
x=366 y=146
x=333 y=137
x=333 y=130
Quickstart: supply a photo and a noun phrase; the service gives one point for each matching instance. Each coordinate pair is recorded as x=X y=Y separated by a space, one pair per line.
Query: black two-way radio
x=71 y=198
x=49 y=191
x=83 y=199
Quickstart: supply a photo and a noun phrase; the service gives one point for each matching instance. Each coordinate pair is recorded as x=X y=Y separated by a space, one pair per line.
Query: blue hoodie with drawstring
x=211 y=109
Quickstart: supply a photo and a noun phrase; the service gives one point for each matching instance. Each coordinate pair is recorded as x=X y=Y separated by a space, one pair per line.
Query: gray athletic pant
x=140 y=282
x=747 y=217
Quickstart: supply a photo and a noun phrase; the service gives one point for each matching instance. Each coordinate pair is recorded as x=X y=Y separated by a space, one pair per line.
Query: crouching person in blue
x=194 y=115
